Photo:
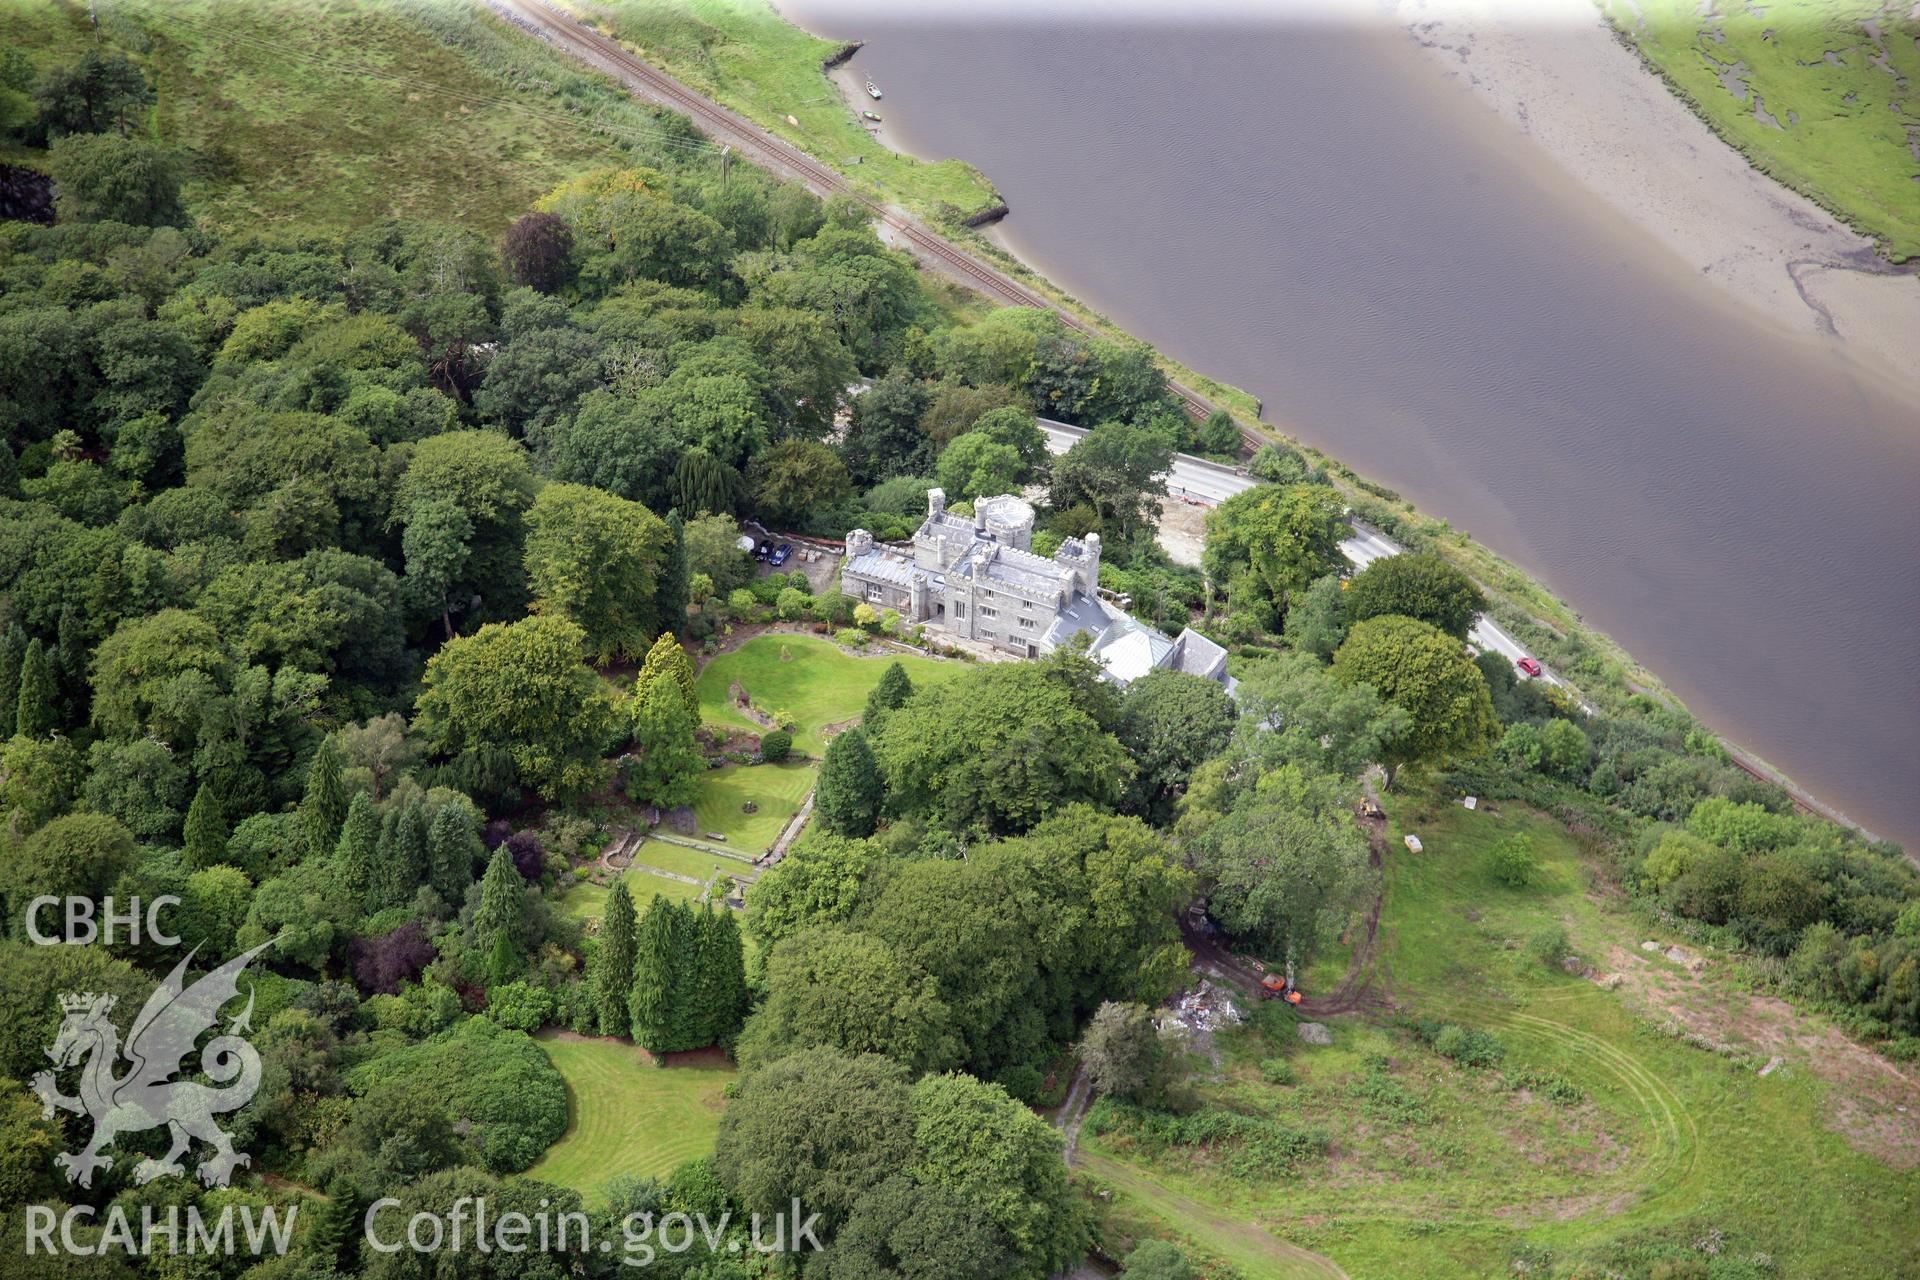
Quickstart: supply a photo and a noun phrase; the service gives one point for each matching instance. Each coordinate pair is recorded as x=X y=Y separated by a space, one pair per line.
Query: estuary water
x=1316 y=213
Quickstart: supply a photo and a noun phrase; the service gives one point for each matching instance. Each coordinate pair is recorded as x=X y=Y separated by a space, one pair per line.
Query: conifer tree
x=451 y=846
x=502 y=901
x=613 y=962
x=35 y=714
x=687 y=1020
x=383 y=856
x=723 y=978
x=204 y=837
x=69 y=661
x=666 y=658
x=324 y=806
x=650 y=1010
x=671 y=593
x=850 y=791
x=405 y=869
x=335 y=1224
x=666 y=765
x=359 y=848
x=503 y=960
x=889 y=695
x=13 y=647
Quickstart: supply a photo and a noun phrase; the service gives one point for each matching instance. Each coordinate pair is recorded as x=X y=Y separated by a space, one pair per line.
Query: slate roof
x=882 y=567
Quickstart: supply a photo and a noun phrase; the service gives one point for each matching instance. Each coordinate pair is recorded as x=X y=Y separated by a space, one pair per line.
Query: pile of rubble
x=1208 y=1007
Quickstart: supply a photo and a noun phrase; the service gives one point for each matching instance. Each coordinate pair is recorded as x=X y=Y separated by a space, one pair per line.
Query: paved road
x=1209 y=484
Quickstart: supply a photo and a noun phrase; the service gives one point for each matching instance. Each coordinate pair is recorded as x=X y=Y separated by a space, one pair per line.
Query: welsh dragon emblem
x=147 y=1096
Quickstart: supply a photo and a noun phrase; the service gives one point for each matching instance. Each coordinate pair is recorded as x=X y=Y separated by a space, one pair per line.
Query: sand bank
x=1557 y=71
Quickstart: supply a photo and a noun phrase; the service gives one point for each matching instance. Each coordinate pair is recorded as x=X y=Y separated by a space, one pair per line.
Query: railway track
x=717 y=122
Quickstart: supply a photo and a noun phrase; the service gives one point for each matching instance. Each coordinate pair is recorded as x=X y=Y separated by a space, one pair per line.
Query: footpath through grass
x=625 y=1115
x=809 y=677
x=1598 y=1141
x=1823 y=95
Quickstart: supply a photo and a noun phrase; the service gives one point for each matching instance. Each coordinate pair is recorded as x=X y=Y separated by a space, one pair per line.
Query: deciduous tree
x=1427 y=674
x=1415 y=584
x=520 y=686
x=595 y=560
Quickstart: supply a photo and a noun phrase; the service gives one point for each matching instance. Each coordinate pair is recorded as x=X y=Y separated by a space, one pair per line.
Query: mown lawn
x=1841 y=101
x=812 y=679
x=744 y=54
x=625 y=1115
x=1439 y=1170
x=777 y=791
x=587 y=901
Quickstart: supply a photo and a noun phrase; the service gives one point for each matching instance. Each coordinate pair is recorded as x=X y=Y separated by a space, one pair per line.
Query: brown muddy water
x=1316 y=214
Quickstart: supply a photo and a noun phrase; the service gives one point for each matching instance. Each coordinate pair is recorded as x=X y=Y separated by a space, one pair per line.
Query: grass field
x=1807 y=92
x=624 y=1115
x=744 y=54
x=331 y=115
x=1438 y=1171
x=812 y=679
x=587 y=901
x=777 y=789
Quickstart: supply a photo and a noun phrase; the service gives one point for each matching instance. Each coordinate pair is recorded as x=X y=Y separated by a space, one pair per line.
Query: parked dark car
x=780 y=554
x=764 y=550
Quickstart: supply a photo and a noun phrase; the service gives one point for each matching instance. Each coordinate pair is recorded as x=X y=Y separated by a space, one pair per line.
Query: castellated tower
x=1082 y=555
x=1006 y=519
x=859 y=542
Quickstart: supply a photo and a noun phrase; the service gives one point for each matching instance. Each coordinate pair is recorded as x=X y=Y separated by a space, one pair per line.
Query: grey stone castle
x=979 y=579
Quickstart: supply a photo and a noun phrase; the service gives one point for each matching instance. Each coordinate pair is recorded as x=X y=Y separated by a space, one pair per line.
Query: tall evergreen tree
x=36 y=713
x=890 y=694
x=687 y=1020
x=672 y=591
x=667 y=659
x=405 y=869
x=13 y=647
x=383 y=856
x=850 y=792
x=666 y=765
x=613 y=962
x=723 y=978
x=204 y=837
x=650 y=1010
x=451 y=846
x=502 y=901
x=358 y=850
x=324 y=807
x=70 y=657
x=335 y=1224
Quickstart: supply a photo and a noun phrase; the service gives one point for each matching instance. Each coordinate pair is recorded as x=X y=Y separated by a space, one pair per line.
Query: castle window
x=875 y=592
x=1026 y=624
x=987 y=612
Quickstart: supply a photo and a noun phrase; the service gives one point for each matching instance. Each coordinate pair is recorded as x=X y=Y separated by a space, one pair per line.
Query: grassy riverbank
x=1821 y=95
x=745 y=55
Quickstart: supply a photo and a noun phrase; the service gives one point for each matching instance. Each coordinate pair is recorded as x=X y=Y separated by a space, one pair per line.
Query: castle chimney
x=859 y=542
x=936 y=501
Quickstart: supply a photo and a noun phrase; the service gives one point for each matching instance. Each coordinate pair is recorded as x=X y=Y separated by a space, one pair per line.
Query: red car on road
x=1528 y=667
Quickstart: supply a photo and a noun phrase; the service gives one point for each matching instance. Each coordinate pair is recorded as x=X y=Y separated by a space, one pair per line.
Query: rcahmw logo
x=144 y=1095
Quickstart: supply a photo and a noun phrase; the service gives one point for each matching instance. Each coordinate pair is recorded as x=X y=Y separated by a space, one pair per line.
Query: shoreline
x=1575 y=87
x=1780 y=257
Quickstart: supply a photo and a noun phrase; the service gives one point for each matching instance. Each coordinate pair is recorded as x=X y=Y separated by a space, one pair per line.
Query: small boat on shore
x=873 y=116
x=873 y=90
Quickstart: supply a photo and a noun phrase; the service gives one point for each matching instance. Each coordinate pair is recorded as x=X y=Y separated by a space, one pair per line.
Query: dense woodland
x=341 y=577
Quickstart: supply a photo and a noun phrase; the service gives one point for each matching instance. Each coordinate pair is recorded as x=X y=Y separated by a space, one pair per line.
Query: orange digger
x=1277 y=988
